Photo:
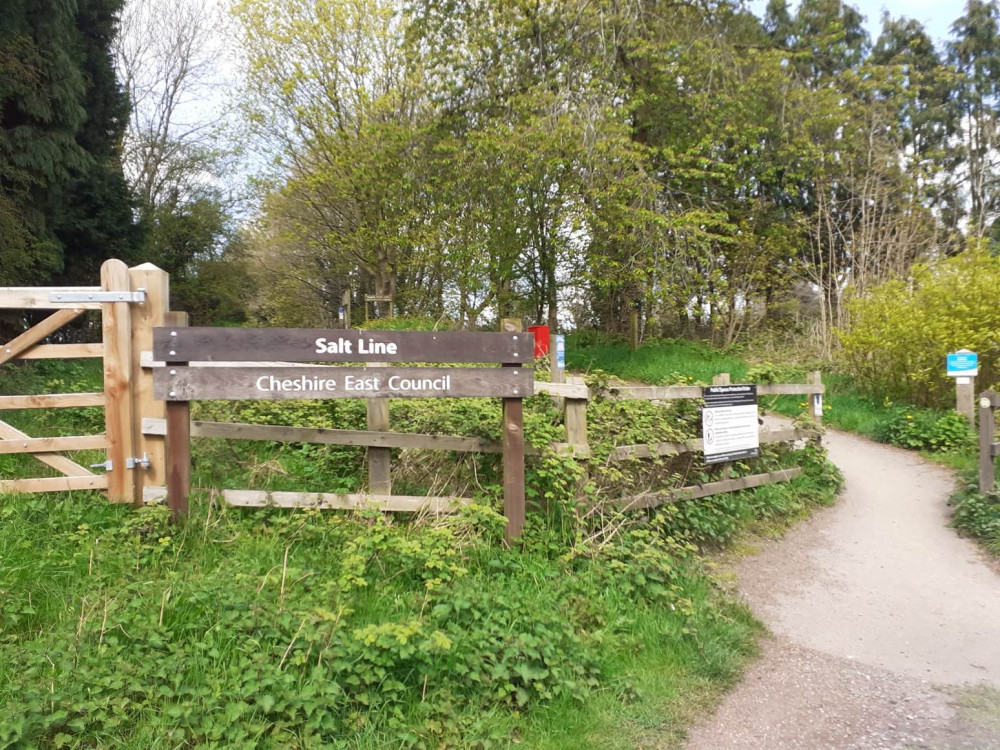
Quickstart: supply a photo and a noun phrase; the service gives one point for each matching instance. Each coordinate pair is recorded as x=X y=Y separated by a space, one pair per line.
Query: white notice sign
x=729 y=423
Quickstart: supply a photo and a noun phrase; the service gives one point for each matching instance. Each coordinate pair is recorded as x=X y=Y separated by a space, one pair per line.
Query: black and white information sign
x=729 y=423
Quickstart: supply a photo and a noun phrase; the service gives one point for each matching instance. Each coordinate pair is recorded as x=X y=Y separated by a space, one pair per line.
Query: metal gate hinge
x=130 y=463
x=138 y=296
x=142 y=463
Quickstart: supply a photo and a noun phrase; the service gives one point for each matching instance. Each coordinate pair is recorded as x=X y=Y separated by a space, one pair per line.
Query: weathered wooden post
x=576 y=417
x=178 y=442
x=513 y=450
x=379 y=459
x=963 y=365
x=816 y=399
x=721 y=379
x=633 y=330
x=988 y=401
x=150 y=449
x=118 y=422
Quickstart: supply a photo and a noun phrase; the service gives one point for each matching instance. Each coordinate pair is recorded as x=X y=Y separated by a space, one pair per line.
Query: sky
x=937 y=16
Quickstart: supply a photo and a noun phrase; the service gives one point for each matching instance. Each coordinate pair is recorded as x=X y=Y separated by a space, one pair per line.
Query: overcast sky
x=937 y=16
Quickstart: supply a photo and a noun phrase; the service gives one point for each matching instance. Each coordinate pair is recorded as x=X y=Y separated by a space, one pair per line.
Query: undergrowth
x=298 y=628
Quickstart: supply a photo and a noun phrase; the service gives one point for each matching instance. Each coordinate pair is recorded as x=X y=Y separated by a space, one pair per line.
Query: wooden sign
x=338 y=345
x=194 y=383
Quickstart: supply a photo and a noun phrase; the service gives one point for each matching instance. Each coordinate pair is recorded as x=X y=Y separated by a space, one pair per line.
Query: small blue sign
x=560 y=351
x=962 y=364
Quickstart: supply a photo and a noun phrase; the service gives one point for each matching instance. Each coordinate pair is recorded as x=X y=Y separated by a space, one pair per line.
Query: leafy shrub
x=924 y=429
x=901 y=331
x=768 y=372
x=979 y=517
x=407 y=324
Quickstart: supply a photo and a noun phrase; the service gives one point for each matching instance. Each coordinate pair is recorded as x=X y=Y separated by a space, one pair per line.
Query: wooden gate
x=132 y=302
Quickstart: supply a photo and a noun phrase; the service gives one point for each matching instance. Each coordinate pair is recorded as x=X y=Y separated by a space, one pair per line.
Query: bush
x=922 y=429
x=901 y=332
x=978 y=516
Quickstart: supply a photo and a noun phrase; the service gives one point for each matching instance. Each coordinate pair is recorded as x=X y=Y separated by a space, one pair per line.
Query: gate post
x=987 y=425
x=145 y=317
x=513 y=452
x=178 y=442
x=119 y=424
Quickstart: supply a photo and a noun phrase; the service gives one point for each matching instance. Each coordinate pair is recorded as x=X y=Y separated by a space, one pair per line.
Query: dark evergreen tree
x=64 y=206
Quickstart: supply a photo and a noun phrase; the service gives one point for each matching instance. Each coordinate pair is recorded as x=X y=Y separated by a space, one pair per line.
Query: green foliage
x=659 y=362
x=406 y=324
x=978 y=516
x=277 y=628
x=924 y=429
x=63 y=200
x=901 y=331
x=769 y=372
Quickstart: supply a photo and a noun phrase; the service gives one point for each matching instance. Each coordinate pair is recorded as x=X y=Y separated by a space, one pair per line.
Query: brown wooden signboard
x=338 y=345
x=273 y=383
x=210 y=378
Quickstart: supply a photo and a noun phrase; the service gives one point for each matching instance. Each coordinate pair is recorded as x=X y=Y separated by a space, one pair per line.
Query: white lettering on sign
x=346 y=346
x=307 y=384
x=396 y=383
x=303 y=383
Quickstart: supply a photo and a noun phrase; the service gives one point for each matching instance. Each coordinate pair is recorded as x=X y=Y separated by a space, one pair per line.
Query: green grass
x=274 y=628
x=659 y=362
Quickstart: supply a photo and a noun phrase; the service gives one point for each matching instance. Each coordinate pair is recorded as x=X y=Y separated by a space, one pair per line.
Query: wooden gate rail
x=655 y=499
x=126 y=328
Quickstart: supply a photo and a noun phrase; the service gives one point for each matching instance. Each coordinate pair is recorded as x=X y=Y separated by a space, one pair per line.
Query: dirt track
x=886 y=623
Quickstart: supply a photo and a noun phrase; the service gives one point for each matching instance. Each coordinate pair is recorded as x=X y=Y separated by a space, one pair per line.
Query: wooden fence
x=135 y=301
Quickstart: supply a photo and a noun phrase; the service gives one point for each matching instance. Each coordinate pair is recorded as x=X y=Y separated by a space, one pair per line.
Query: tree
x=61 y=115
x=975 y=53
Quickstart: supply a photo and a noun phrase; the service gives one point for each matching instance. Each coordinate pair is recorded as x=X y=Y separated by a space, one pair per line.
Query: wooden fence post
x=965 y=398
x=633 y=330
x=118 y=419
x=576 y=419
x=816 y=399
x=513 y=452
x=178 y=442
x=721 y=379
x=379 y=459
x=987 y=425
x=145 y=317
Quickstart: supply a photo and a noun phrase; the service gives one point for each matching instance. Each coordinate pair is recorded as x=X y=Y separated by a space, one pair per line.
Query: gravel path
x=886 y=623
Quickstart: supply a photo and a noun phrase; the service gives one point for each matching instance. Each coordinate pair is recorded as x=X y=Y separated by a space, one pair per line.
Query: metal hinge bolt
x=142 y=463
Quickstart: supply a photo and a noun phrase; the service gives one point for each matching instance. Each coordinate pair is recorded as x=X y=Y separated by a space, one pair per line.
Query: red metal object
x=541 y=334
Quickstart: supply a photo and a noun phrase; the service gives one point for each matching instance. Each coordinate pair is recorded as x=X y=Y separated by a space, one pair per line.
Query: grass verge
x=273 y=628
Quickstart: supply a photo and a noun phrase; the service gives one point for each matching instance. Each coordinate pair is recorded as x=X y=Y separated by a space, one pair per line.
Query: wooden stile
x=178 y=442
x=119 y=424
